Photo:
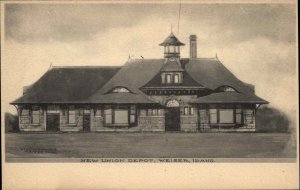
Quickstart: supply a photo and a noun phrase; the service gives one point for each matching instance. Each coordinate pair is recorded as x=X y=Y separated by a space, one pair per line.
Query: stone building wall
x=65 y=126
x=25 y=122
x=151 y=123
x=188 y=123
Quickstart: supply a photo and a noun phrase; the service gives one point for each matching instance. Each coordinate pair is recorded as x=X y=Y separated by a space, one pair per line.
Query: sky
x=257 y=42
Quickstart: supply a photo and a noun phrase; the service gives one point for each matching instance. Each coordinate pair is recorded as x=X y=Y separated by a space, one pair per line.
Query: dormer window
x=176 y=78
x=226 y=89
x=168 y=78
x=120 y=90
x=171 y=78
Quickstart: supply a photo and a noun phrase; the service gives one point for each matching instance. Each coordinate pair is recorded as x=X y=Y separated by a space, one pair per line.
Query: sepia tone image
x=173 y=82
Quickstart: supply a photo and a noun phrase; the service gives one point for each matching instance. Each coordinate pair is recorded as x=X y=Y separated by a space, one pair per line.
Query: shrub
x=271 y=120
x=11 y=123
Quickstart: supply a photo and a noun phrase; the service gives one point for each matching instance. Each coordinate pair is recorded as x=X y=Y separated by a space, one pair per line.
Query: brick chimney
x=193 y=46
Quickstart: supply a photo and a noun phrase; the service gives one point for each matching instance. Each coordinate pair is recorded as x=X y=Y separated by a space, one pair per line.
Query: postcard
x=149 y=95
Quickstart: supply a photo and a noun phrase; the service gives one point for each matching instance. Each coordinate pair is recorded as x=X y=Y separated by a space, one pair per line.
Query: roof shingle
x=229 y=97
x=67 y=84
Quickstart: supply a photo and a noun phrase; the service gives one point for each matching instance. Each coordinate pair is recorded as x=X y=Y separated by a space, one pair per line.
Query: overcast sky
x=256 y=42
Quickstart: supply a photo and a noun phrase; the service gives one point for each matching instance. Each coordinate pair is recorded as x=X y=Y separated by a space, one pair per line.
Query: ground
x=150 y=145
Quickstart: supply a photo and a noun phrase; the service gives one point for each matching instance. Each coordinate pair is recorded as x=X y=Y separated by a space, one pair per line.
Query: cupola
x=172 y=46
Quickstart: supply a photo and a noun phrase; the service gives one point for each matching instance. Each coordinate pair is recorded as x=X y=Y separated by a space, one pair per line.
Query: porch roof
x=229 y=97
x=67 y=84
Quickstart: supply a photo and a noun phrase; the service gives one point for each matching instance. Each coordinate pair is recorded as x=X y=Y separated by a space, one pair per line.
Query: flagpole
x=178 y=18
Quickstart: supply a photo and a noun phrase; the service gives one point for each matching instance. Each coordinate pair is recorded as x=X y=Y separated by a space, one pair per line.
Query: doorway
x=52 y=122
x=172 y=119
x=86 y=122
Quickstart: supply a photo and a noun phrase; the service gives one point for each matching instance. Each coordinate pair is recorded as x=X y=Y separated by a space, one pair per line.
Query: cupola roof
x=172 y=40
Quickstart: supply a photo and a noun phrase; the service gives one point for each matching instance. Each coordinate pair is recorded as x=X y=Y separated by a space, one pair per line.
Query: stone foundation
x=188 y=123
x=151 y=123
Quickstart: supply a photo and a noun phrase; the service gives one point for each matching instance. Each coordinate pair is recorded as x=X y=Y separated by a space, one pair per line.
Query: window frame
x=106 y=114
x=73 y=111
x=132 y=114
x=25 y=109
x=176 y=76
x=221 y=111
x=215 y=114
x=168 y=78
x=116 y=110
x=240 y=113
x=35 y=113
x=120 y=89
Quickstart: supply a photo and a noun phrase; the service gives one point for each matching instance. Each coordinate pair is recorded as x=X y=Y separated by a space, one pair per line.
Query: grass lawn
x=150 y=145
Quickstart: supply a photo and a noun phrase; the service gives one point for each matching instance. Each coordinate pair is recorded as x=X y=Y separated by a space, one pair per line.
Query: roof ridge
x=86 y=66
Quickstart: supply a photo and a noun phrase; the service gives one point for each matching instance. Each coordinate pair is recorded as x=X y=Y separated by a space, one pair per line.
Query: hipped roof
x=229 y=97
x=171 y=40
x=92 y=84
x=133 y=75
x=67 y=84
x=211 y=73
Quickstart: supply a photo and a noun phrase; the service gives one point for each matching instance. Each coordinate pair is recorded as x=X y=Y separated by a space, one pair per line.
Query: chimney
x=25 y=89
x=193 y=46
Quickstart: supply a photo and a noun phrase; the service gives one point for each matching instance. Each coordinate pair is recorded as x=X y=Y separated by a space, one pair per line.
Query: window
x=71 y=116
x=25 y=112
x=163 y=78
x=213 y=115
x=176 y=78
x=226 y=89
x=143 y=112
x=121 y=116
x=98 y=112
x=172 y=103
x=188 y=111
x=120 y=90
x=132 y=114
x=86 y=111
x=150 y=112
x=168 y=78
x=35 y=116
x=172 y=49
x=192 y=111
x=155 y=112
x=108 y=116
x=204 y=117
x=226 y=116
x=160 y=112
x=238 y=116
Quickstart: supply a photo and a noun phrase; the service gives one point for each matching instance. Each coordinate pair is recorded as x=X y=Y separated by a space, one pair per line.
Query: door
x=52 y=122
x=86 y=122
x=172 y=119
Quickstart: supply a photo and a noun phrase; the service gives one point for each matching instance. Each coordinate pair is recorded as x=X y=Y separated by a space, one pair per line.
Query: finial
x=50 y=66
x=216 y=56
x=171 y=28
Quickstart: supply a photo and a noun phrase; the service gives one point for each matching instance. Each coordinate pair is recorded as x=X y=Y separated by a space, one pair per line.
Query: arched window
x=120 y=90
x=226 y=89
x=172 y=103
